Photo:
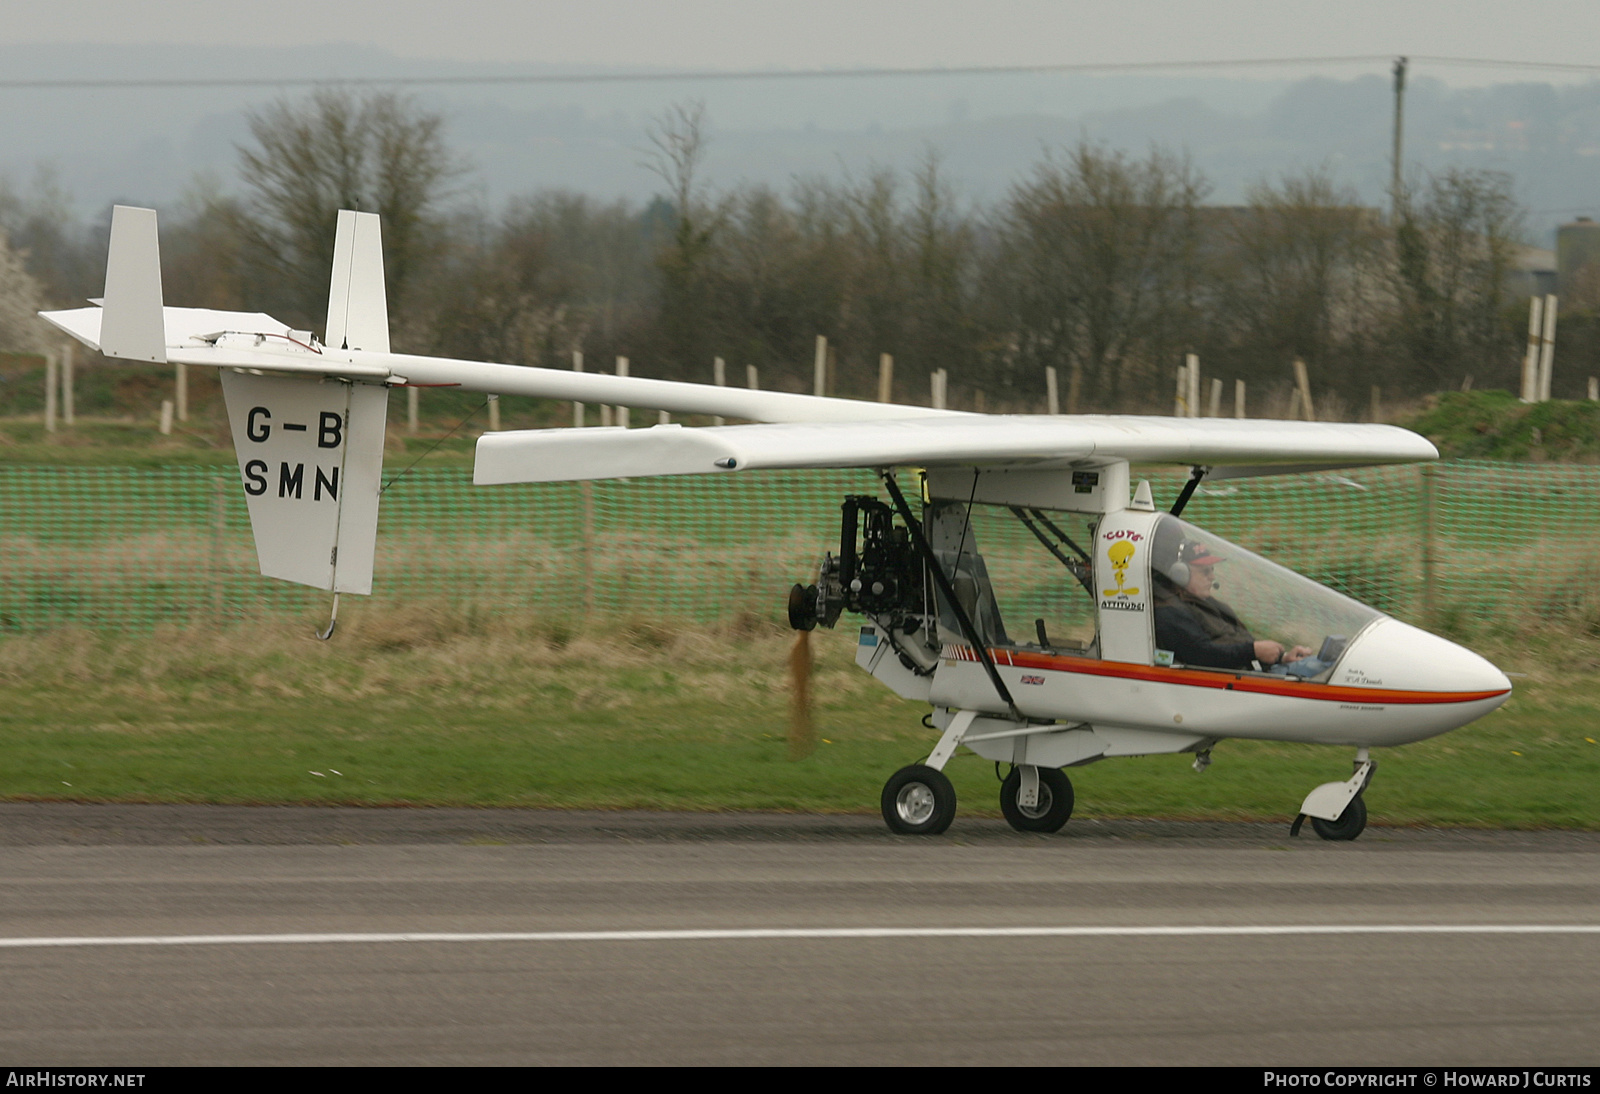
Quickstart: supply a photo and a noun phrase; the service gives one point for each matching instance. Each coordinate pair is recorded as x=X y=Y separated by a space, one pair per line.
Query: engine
x=876 y=573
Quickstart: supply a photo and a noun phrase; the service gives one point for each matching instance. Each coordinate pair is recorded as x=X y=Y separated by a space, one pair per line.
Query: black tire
x=1055 y=801
x=1348 y=826
x=918 y=801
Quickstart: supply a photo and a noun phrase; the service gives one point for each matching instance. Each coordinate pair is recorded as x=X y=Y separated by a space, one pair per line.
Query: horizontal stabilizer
x=181 y=328
x=1037 y=442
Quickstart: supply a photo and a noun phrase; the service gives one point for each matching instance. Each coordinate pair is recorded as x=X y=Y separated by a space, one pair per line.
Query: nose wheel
x=1348 y=826
x=1336 y=810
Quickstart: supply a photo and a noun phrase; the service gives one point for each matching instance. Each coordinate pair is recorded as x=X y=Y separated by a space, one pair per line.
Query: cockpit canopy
x=1271 y=601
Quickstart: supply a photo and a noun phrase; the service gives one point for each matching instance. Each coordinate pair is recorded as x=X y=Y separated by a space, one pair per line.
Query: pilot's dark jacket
x=1201 y=632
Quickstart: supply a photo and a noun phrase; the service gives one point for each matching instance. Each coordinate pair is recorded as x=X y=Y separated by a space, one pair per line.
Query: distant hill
x=149 y=145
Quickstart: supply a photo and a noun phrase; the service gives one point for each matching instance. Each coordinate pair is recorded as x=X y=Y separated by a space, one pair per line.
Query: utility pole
x=1397 y=184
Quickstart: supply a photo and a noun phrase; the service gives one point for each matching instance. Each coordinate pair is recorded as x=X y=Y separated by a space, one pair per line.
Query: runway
x=392 y=936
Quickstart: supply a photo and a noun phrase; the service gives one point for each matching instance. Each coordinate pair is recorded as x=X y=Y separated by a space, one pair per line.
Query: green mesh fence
x=1463 y=544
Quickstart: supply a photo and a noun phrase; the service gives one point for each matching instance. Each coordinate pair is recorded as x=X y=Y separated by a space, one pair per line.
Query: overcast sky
x=722 y=34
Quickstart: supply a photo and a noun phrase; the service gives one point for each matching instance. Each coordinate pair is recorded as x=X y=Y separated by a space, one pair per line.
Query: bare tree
x=64 y=256
x=556 y=272
x=21 y=297
x=1453 y=249
x=1098 y=253
x=940 y=254
x=677 y=154
x=337 y=150
x=1299 y=275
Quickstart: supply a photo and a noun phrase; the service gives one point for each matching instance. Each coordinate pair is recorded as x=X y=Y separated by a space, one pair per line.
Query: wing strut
x=1196 y=473
x=940 y=579
x=1078 y=570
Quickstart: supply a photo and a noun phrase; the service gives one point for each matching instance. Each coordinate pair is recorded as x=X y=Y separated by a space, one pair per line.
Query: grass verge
x=410 y=707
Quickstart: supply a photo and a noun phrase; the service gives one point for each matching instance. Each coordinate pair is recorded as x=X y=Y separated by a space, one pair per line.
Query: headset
x=1178 y=572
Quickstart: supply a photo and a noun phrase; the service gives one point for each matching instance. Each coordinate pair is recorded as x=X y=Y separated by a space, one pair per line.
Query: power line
x=534 y=79
x=1486 y=62
x=170 y=82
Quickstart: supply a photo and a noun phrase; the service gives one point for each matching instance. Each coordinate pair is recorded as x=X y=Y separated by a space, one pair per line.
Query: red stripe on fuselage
x=1221 y=680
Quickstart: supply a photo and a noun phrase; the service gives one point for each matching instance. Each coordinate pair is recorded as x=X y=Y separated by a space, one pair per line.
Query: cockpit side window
x=1030 y=580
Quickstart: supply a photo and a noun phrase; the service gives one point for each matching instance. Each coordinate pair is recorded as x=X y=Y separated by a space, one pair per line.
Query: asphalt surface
x=110 y=872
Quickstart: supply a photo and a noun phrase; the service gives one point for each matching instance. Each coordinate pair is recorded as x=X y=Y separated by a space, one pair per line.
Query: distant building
x=1533 y=272
x=1577 y=257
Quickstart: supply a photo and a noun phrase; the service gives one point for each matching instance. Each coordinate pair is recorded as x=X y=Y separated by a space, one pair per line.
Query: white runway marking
x=747 y=934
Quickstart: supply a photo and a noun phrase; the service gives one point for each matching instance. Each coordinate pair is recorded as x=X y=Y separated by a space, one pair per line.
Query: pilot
x=1199 y=629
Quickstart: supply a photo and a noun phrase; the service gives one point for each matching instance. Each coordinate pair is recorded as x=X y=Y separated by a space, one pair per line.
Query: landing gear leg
x=918 y=800
x=1337 y=810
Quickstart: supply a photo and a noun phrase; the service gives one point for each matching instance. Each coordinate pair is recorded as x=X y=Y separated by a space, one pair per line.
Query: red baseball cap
x=1198 y=554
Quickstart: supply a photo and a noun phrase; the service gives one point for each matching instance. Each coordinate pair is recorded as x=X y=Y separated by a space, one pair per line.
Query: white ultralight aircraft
x=1154 y=663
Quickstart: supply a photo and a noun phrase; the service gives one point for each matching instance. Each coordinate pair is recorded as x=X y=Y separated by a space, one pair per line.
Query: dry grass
x=415 y=651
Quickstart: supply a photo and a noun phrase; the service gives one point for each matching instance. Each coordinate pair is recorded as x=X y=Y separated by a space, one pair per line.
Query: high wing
x=308 y=418
x=1232 y=449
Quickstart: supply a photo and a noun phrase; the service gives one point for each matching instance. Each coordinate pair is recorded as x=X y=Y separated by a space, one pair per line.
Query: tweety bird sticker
x=1120 y=554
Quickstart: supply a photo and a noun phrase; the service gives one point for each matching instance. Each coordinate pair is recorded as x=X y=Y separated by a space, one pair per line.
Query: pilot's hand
x=1269 y=652
x=1297 y=653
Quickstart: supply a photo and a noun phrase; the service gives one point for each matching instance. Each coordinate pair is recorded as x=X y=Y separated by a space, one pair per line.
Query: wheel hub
x=1041 y=808
x=915 y=803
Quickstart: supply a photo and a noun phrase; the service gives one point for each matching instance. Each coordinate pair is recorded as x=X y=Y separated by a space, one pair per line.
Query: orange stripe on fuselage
x=1221 y=680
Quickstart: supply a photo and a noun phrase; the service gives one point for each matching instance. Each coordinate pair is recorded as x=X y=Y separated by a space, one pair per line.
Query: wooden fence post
x=219 y=533
x=719 y=376
x=1547 y=349
x=1530 y=359
x=1429 y=559
x=586 y=494
x=50 y=393
x=1303 y=382
x=577 y=407
x=620 y=414
x=67 y=414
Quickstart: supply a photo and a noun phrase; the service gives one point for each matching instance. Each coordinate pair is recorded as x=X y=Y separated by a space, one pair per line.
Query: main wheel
x=918 y=801
x=1053 y=808
x=1349 y=824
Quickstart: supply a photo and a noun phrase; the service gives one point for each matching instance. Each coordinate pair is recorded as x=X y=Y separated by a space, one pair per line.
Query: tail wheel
x=1348 y=826
x=918 y=801
x=1054 y=805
